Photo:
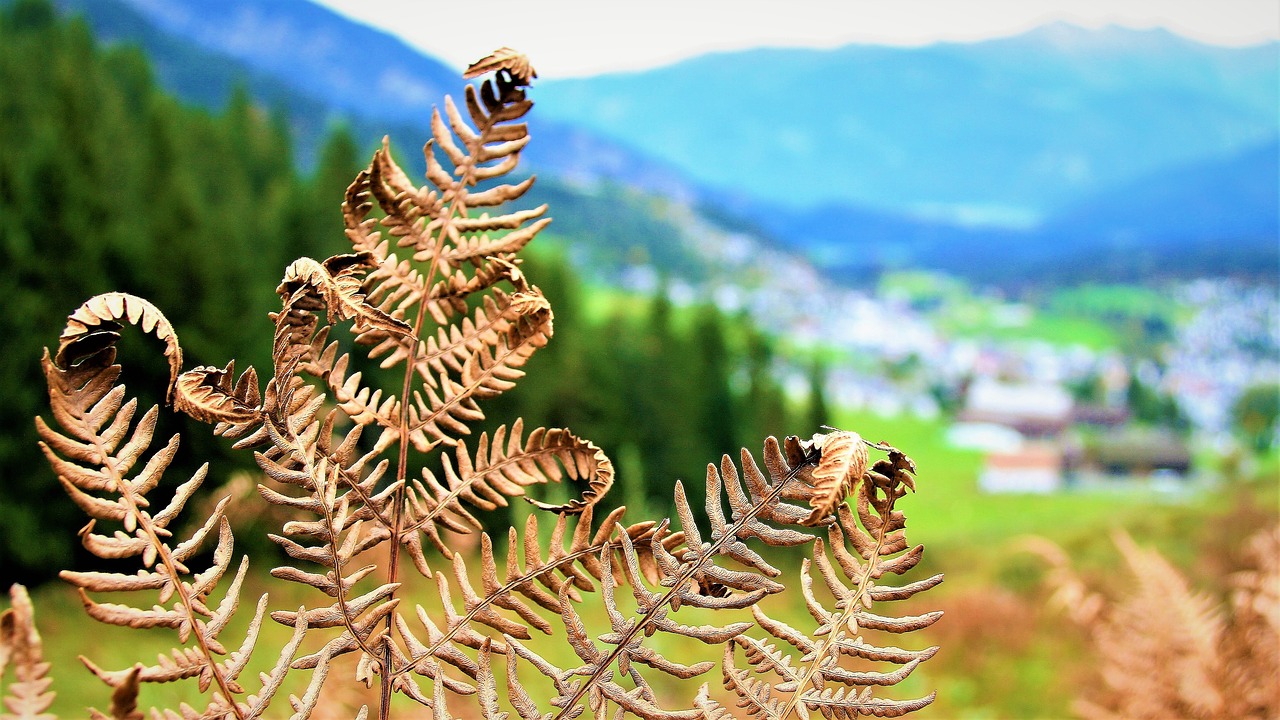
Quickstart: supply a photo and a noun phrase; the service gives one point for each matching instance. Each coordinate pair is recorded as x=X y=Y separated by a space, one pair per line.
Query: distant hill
x=350 y=66
x=196 y=74
x=1208 y=218
x=1237 y=196
x=1213 y=217
x=598 y=187
x=1003 y=131
x=1037 y=156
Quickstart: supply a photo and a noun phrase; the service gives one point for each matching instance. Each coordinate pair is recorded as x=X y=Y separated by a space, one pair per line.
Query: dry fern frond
x=1251 y=641
x=1197 y=660
x=28 y=695
x=434 y=290
x=414 y=313
x=879 y=547
x=692 y=577
x=100 y=457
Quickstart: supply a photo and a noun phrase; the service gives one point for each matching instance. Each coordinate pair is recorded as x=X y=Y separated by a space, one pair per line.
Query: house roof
x=1041 y=402
x=1030 y=457
x=1142 y=449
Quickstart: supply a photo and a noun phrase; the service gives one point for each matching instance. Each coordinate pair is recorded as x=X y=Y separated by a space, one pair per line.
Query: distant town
x=1047 y=413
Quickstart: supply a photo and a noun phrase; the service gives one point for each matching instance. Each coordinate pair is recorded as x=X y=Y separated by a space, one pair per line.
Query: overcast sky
x=566 y=38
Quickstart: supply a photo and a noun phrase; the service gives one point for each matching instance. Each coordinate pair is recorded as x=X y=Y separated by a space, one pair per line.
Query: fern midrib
x=851 y=608
x=466 y=177
x=162 y=551
x=402 y=470
x=336 y=556
x=686 y=576
x=490 y=599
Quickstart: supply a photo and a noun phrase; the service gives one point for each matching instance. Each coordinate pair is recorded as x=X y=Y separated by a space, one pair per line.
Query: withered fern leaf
x=28 y=695
x=100 y=455
x=1199 y=658
x=374 y=480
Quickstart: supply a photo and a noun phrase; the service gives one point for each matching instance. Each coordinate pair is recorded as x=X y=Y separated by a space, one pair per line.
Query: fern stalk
x=411 y=367
x=171 y=567
x=825 y=644
x=686 y=576
x=402 y=473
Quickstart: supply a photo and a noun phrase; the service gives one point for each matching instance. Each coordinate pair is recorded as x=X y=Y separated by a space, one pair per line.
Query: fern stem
x=493 y=597
x=712 y=550
x=336 y=556
x=402 y=471
x=163 y=553
x=402 y=464
x=852 y=607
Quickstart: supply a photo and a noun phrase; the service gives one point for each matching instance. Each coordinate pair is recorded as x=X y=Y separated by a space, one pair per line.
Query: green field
x=1098 y=317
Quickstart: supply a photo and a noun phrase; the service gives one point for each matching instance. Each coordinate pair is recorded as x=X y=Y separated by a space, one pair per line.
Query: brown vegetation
x=1164 y=650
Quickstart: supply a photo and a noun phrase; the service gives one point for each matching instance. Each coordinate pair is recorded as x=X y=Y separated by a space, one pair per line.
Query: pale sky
x=565 y=38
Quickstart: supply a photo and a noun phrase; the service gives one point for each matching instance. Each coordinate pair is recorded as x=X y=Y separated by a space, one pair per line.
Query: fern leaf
x=503 y=59
x=844 y=461
x=337 y=281
x=94 y=328
x=499 y=472
x=28 y=695
x=879 y=545
x=208 y=395
x=100 y=456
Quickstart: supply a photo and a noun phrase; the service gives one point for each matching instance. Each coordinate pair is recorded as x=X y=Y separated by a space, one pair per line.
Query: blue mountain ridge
x=1006 y=130
x=1214 y=217
x=349 y=66
x=245 y=38
x=365 y=73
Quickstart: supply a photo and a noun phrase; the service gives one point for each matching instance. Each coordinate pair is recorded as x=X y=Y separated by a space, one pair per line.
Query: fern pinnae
x=342 y=535
x=695 y=568
x=124 y=700
x=881 y=544
x=477 y=607
x=20 y=645
x=99 y=445
x=755 y=696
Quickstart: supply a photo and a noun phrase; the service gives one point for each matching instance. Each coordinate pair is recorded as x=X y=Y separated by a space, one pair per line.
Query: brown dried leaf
x=844 y=461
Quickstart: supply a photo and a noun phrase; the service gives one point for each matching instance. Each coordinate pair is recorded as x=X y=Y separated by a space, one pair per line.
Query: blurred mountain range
x=996 y=132
x=1057 y=155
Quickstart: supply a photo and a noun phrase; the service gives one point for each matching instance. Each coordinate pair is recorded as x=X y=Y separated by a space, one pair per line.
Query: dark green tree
x=715 y=364
x=108 y=183
x=764 y=407
x=1255 y=416
x=817 y=413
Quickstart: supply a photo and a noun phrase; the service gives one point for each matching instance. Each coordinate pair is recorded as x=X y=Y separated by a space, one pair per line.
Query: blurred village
x=1049 y=416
